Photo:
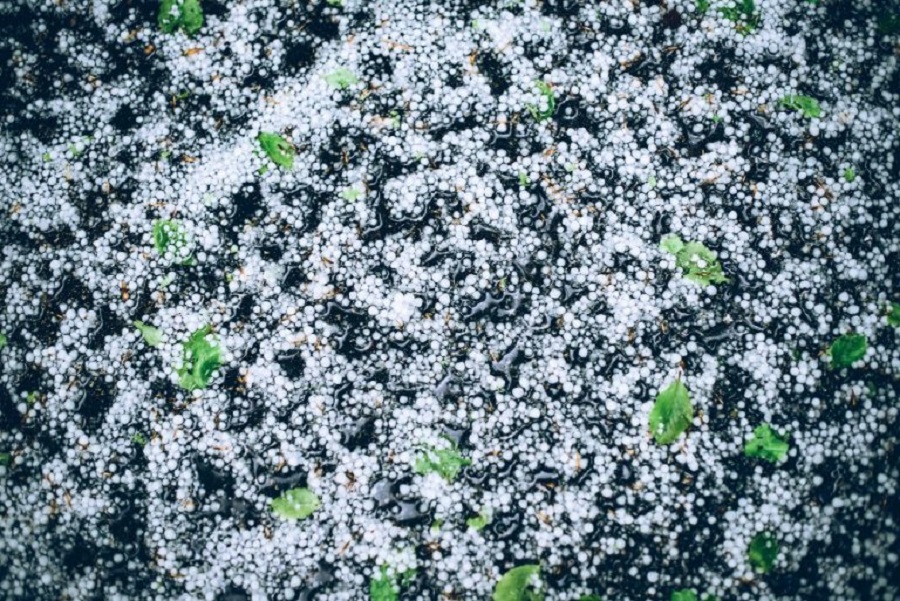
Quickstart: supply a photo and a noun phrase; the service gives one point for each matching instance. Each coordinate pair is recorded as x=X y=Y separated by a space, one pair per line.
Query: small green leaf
x=684 y=594
x=702 y=6
x=170 y=237
x=383 y=588
x=547 y=92
x=169 y=16
x=743 y=13
x=46 y=156
x=651 y=181
x=445 y=462
x=672 y=244
x=805 y=104
x=5 y=459
x=480 y=521
x=847 y=349
x=139 y=439
x=762 y=552
x=337 y=3
x=517 y=584
x=191 y=16
x=698 y=263
x=151 y=335
x=296 y=504
x=849 y=175
x=766 y=444
x=590 y=598
x=386 y=587
x=524 y=181
x=671 y=414
x=278 y=149
x=351 y=194
x=201 y=358
x=436 y=525
x=184 y=14
x=341 y=78
x=3 y=341
x=893 y=315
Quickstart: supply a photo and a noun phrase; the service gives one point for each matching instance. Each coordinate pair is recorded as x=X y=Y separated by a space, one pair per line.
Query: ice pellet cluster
x=406 y=258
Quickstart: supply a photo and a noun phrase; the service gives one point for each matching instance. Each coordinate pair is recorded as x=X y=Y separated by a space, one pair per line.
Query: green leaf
x=702 y=6
x=849 y=175
x=672 y=244
x=698 y=263
x=480 y=521
x=671 y=414
x=184 y=14
x=805 y=104
x=524 y=181
x=893 y=316
x=386 y=587
x=3 y=341
x=341 y=78
x=766 y=444
x=762 y=552
x=590 y=598
x=139 y=439
x=151 y=335
x=201 y=359
x=351 y=194
x=383 y=588
x=278 y=149
x=847 y=349
x=547 y=92
x=743 y=13
x=684 y=594
x=446 y=462
x=5 y=459
x=516 y=585
x=191 y=16
x=169 y=16
x=296 y=504
x=170 y=237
